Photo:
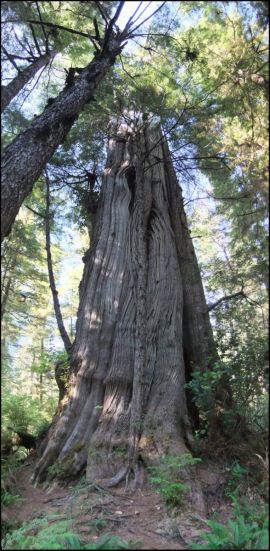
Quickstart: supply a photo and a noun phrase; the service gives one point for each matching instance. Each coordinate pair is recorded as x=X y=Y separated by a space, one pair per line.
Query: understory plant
x=248 y=528
x=243 y=531
x=167 y=476
x=40 y=534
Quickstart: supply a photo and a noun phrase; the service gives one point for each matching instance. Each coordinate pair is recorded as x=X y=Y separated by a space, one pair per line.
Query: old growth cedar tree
x=142 y=320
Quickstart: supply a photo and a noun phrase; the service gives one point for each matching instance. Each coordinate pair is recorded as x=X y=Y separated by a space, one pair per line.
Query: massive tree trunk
x=142 y=314
x=25 y=75
x=25 y=158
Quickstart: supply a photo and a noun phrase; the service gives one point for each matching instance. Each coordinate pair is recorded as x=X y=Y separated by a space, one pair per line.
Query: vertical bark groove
x=128 y=353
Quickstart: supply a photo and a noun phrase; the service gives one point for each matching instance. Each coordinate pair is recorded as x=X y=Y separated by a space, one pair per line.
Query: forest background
x=201 y=68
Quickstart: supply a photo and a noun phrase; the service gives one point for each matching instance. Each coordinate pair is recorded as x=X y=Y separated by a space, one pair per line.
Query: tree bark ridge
x=128 y=359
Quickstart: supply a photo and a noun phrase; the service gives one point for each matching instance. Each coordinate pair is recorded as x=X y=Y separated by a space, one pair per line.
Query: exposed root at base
x=126 y=473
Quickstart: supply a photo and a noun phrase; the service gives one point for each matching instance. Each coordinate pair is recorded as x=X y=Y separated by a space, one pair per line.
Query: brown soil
x=141 y=517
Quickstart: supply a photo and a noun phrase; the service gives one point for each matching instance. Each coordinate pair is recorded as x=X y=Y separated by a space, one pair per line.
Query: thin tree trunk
x=56 y=303
x=5 y=296
x=6 y=283
x=25 y=75
x=128 y=355
x=41 y=375
x=25 y=158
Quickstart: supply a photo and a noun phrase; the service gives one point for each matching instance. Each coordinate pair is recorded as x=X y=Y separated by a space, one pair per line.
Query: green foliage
x=107 y=541
x=168 y=478
x=244 y=366
x=238 y=534
x=39 y=534
x=7 y=498
x=238 y=474
x=248 y=529
x=24 y=413
x=56 y=470
x=203 y=387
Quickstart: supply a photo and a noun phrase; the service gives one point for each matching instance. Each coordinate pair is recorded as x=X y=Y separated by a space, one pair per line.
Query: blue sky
x=130 y=7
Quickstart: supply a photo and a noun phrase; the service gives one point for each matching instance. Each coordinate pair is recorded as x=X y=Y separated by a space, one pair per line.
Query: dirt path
x=140 y=517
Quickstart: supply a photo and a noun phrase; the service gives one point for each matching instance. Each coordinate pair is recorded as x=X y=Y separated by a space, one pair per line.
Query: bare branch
x=44 y=32
x=35 y=212
x=112 y=22
x=102 y=13
x=131 y=20
x=117 y=13
x=151 y=15
x=10 y=58
x=35 y=39
x=29 y=51
x=61 y=27
x=227 y=297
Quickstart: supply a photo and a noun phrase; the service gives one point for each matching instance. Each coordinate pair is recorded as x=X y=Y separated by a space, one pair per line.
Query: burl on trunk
x=142 y=320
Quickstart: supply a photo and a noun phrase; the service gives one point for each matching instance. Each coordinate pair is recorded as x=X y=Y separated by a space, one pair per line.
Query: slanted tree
x=142 y=319
x=24 y=159
x=11 y=90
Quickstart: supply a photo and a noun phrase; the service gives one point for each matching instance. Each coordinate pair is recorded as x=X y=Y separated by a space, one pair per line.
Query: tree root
x=116 y=479
x=125 y=473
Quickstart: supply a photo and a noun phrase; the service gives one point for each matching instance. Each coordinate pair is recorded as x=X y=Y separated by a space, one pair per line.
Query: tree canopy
x=199 y=70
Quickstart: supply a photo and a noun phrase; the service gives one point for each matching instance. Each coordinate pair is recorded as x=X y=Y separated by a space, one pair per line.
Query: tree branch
x=35 y=212
x=61 y=27
x=227 y=297
x=102 y=13
x=10 y=58
x=131 y=20
x=35 y=40
x=149 y=16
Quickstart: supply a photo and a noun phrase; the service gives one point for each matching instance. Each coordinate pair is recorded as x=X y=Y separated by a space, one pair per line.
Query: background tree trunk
x=25 y=75
x=128 y=354
x=56 y=304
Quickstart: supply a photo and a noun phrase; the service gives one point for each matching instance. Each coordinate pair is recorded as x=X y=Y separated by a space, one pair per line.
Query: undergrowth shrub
x=39 y=534
x=243 y=366
x=25 y=413
x=7 y=498
x=167 y=476
x=247 y=529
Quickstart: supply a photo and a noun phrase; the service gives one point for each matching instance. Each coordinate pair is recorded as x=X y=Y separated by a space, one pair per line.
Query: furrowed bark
x=25 y=158
x=128 y=402
x=141 y=213
x=11 y=90
x=198 y=335
x=56 y=303
x=198 y=342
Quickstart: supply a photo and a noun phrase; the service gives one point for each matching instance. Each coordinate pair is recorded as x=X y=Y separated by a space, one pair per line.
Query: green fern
x=237 y=534
x=167 y=477
x=39 y=534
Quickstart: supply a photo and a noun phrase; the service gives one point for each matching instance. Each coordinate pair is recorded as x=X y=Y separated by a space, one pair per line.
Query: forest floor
x=141 y=518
